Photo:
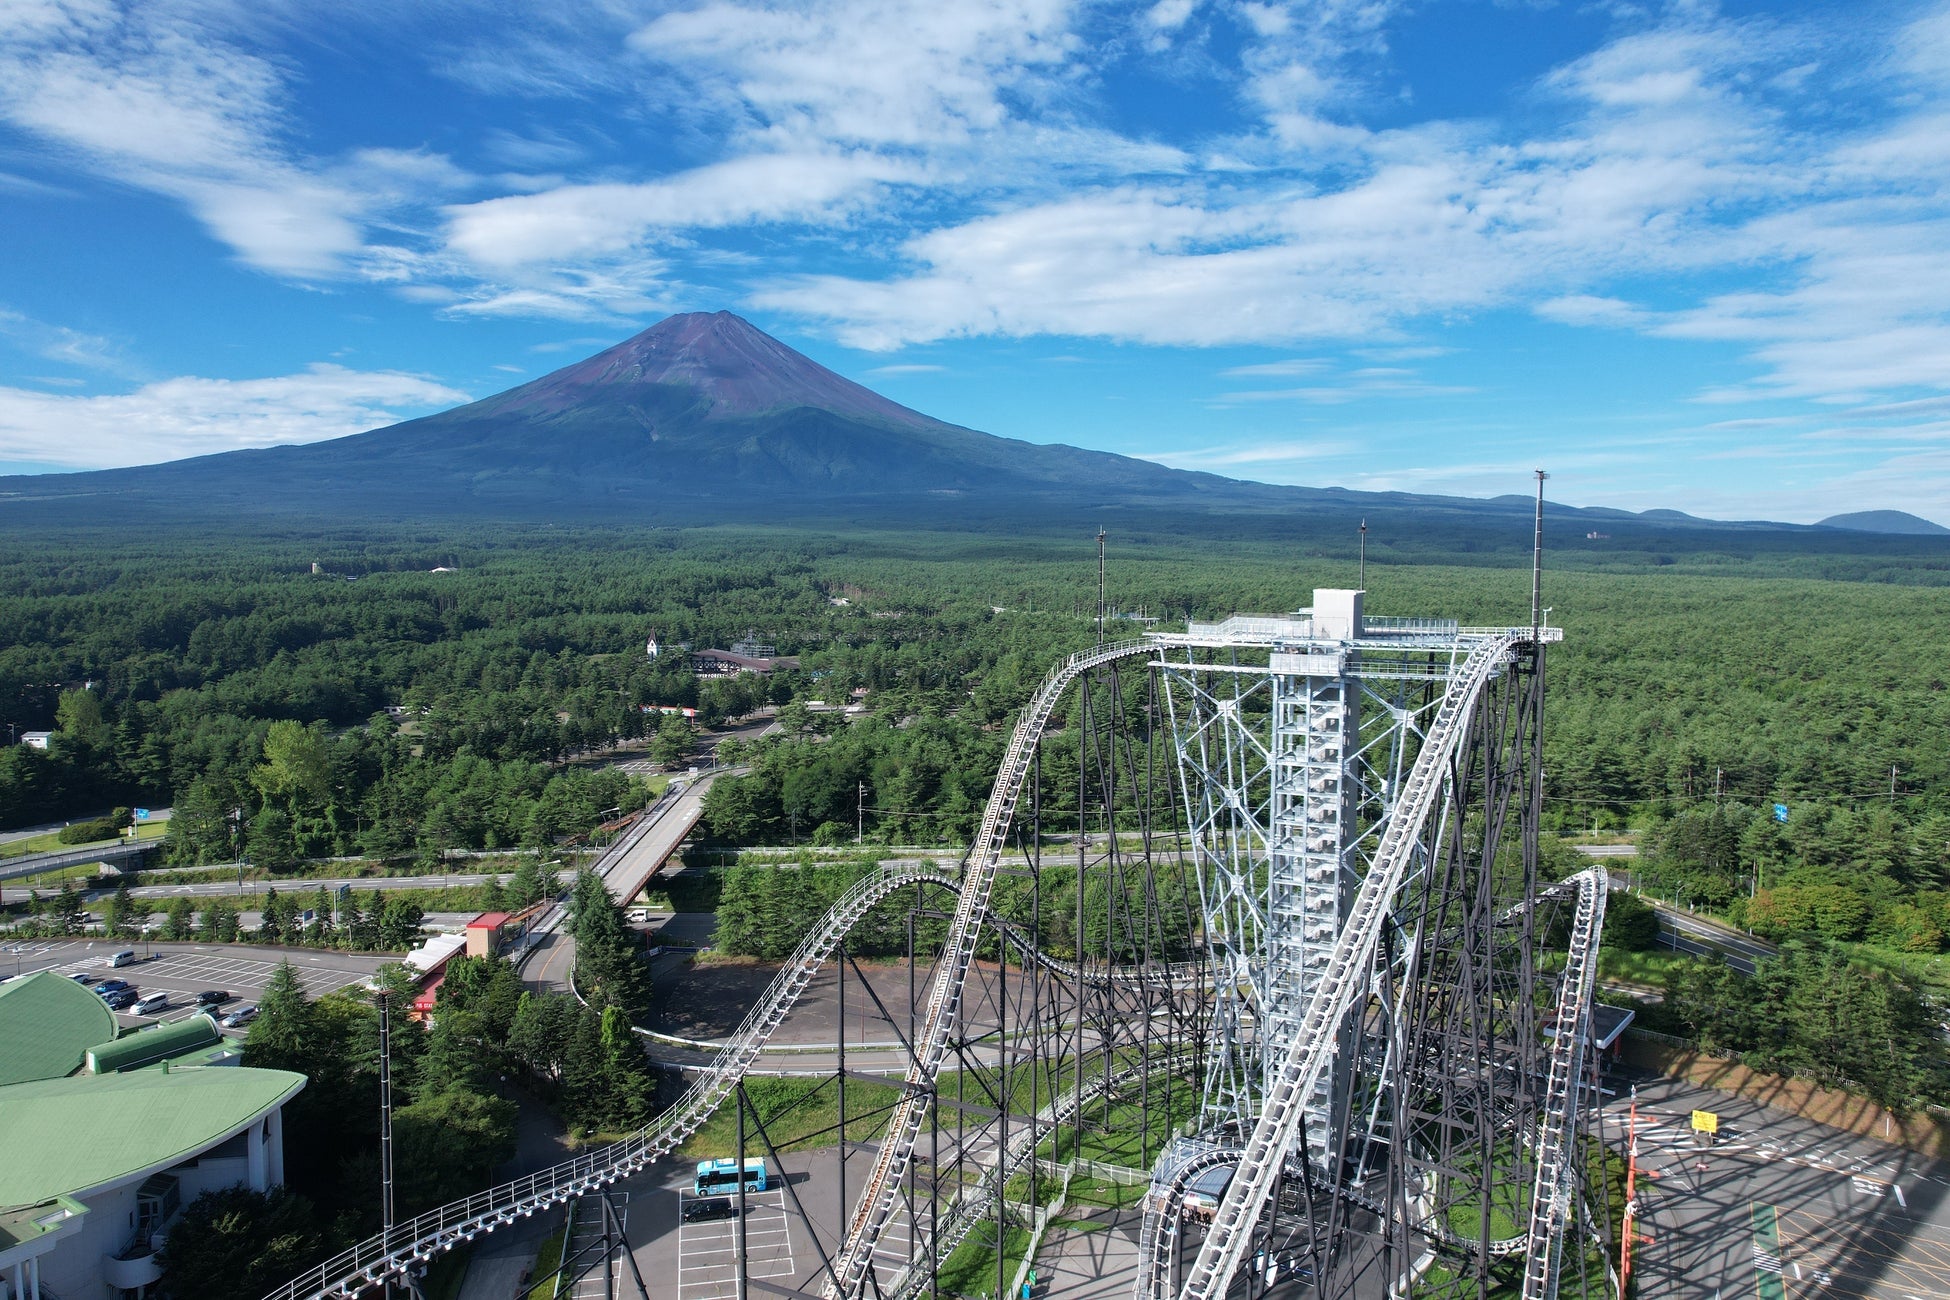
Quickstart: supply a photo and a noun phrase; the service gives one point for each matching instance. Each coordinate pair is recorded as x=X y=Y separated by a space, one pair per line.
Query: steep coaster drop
x=1362 y=992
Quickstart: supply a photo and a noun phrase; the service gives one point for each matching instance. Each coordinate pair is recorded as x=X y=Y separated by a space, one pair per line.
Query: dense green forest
x=378 y=707
x=225 y=677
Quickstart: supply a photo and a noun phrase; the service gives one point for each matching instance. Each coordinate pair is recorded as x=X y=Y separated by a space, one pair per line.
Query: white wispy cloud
x=192 y=416
x=61 y=343
x=1264 y=453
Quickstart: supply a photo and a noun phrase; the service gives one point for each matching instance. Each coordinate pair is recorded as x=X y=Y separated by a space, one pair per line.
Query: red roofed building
x=487 y=933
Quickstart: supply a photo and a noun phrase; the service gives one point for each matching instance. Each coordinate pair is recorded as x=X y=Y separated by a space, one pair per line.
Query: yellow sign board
x=1705 y=1121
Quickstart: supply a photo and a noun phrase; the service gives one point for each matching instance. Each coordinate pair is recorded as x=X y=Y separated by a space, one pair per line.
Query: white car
x=239 y=1018
x=150 y=1003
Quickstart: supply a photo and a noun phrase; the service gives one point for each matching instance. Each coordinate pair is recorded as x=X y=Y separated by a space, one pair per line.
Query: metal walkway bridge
x=1425 y=929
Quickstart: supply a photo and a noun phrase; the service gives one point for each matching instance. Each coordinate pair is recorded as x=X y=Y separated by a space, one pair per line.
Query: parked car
x=81 y=977
x=709 y=1207
x=107 y=987
x=239 y=1018
x=213 y=998
x=150 y=1003
x=124 y=958
x=119 y=999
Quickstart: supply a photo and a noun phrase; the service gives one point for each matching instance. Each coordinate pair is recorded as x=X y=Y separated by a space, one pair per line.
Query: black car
x=119 y=998
x=709 y=1207
x=213 y=998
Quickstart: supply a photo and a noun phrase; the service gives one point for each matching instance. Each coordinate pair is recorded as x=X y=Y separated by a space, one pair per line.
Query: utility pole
x=1892 y=787
x=1719 y=784
x=1537 y=565
x=1362 y=581
x=383 y=997
x=860 y=816
x=1100 y=584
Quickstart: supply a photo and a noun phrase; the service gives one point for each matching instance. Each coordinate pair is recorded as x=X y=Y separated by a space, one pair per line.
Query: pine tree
x=632 y=1088
x=321 y=906
x=283 y=1036
x=115 y=915
x=608 y=968
x=525 y=885
x=180 y=919
x=399 y=923
x=64 y=911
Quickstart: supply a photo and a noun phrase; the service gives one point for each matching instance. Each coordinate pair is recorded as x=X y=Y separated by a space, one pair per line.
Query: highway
x=1683 y=931
x=296 y=887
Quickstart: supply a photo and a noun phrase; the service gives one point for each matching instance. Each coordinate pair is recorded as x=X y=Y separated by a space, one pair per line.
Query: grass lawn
x=798 y=1114
x=1929 y=970
x=971 y=1269
x=1651 y=967
x=545 y=1264
x=51 y=841
x=1108 y=1195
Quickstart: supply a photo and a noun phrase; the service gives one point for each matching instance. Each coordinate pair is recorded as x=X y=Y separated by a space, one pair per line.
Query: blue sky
x=1683 y=255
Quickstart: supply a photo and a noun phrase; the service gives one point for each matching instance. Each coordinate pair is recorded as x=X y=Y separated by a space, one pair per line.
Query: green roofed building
x=103 y=1139
x=47 y=1024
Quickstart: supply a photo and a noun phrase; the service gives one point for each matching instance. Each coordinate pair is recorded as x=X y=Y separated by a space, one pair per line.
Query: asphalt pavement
x=185 y=969
x=1777 y=1201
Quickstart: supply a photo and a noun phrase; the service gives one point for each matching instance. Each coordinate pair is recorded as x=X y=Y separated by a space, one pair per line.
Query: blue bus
x=719 y=1177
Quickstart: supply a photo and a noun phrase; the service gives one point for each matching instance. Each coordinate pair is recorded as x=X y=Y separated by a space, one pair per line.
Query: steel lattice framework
x=1269 y=885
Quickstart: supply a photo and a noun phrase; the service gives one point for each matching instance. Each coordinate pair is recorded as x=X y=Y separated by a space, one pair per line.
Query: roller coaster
x=1256 y=905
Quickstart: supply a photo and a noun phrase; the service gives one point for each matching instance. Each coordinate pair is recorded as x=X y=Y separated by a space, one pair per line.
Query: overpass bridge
x=627 y=865
x=117 y=855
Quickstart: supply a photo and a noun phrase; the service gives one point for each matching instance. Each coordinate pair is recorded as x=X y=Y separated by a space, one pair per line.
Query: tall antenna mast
x=1537 y=565
x=1100 y=584
x=1362 y=581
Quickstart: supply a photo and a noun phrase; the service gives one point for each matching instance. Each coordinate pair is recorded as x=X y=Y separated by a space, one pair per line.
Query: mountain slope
x=1885 y=521
x=699 y=409
x=703 y=418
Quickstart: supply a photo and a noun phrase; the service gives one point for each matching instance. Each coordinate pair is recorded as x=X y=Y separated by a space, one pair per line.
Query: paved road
x=669 y=821
x=294 y=888
x=1830 y=1214
x=626 y=865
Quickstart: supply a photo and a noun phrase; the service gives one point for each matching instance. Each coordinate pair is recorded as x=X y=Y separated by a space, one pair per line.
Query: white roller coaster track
x=877 y=1197
x=419 y=1239
x=1552 y=1193
x=1342 y=984
x=1551 y=1203
x=416 y=1240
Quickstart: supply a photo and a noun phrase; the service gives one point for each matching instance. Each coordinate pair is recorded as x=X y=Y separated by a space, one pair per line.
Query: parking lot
x=183 y=970
x=706 y=1254
x=1778 y=1205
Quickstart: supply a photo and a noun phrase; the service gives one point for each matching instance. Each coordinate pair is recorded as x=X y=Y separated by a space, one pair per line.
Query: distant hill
x=1885 y=521
x=703 y=418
